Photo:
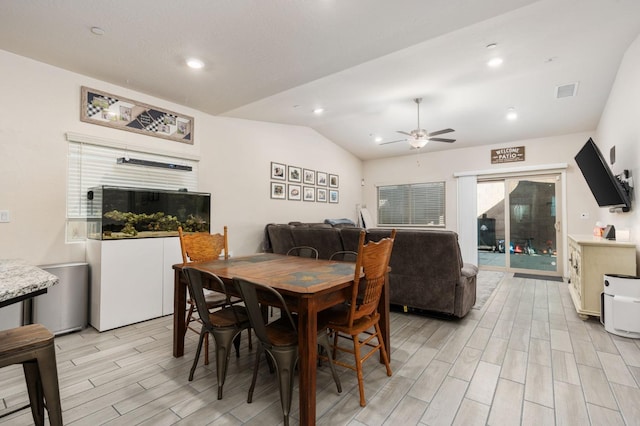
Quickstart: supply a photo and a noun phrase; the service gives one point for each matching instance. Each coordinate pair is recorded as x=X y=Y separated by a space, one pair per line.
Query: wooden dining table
x=307 y=286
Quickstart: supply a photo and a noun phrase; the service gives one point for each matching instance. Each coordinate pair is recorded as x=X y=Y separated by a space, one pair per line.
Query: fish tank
x=116 y=213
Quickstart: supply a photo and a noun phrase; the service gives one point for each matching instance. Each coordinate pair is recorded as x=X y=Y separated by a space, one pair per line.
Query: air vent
x=566 y=90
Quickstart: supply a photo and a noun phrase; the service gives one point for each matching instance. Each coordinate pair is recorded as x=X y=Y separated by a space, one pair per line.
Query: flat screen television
x=608 y=190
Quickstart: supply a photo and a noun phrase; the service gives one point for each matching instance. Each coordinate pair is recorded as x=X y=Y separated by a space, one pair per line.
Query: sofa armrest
x=469 y=270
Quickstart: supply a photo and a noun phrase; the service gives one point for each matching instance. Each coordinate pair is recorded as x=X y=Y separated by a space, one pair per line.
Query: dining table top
x=19 y=279
x=287 y=274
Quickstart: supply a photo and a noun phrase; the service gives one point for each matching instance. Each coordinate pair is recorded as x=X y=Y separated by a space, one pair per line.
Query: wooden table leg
x=308 y=346
x=179 y=313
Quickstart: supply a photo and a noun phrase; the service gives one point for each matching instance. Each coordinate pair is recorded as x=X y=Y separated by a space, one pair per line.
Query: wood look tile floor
x=524 y=358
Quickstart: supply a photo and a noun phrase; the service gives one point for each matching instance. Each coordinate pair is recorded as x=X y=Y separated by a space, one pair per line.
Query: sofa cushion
x=350 y=238
x=326 y=240
x=279 y=237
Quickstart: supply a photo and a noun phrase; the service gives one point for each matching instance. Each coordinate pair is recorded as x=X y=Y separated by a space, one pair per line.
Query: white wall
x=441 y=165
x=620 y=127
x=40 y=103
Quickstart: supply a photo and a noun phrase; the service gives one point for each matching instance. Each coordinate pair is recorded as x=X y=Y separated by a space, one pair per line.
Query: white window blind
x=419 y=204
x=96 y=165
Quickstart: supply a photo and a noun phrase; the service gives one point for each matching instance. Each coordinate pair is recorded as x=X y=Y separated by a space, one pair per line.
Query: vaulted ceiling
x=363 y=61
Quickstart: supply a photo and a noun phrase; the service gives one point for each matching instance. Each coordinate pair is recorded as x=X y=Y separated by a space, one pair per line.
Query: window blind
x=420 y=204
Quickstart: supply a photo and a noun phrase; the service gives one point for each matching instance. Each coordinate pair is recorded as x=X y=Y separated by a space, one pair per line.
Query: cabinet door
x=131 y=281
x=172 y=255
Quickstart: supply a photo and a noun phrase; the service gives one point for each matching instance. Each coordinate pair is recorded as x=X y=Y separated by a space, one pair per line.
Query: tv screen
x=606 y=188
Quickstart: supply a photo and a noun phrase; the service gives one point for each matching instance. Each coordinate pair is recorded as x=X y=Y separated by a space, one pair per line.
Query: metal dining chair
x=225 y=324
x=277 y=339
x=344 y=256
x=303 y=251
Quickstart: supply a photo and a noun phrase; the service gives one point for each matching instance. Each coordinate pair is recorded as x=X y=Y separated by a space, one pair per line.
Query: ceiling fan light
x=495 y=62
x=418 y=143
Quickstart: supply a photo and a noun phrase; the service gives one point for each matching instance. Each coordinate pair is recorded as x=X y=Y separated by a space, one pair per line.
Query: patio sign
x=507 y=155
x=108 y=110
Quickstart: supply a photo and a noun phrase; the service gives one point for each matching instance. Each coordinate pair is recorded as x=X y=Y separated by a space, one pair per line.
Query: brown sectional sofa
x=427 y=271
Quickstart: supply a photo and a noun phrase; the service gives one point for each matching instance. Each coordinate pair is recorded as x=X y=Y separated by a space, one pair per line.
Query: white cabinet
x=131 y=280
x=589 y=259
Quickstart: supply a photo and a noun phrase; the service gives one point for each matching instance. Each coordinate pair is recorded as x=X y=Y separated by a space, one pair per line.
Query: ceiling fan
x=418 y=138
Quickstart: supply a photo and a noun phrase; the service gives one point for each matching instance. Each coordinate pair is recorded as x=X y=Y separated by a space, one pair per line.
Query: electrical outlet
x=4 y=216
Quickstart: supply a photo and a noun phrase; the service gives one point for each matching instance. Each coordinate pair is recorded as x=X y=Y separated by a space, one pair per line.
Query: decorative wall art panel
x=105 y=109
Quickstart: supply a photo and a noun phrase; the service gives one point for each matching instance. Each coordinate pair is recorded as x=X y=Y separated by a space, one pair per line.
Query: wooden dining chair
x=224 y=324
x=277 y=339
x=203 y=247
x=355 y=319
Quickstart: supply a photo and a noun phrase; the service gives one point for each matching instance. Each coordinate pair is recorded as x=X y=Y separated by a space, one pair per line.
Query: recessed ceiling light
x=318 y=110
x=194 y=63
x=512 y=114
x=378 y=139
x=97 y=31
x=495 y=62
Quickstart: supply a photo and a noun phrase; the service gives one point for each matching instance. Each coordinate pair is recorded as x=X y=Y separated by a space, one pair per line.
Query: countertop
x=18 y=278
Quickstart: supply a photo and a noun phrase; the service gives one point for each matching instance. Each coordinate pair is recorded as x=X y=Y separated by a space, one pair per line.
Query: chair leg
x=255 y=373
x=236 y=345
x=50 y=387
x=323 y=341
x=206 y=349
x=34 y=389
x=224 y=339
x=356 y=352
x=385 y=357
x=285 y=365
x=195 y=361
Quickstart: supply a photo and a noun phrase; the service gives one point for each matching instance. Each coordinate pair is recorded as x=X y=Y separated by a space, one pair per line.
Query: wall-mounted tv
x=608 y=190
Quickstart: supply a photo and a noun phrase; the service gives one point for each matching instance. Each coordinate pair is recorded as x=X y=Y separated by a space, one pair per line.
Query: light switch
x=4 y=216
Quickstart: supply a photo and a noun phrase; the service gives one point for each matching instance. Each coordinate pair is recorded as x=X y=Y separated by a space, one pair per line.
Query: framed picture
x=308 y=193
x=321 y=195
x=334 y=197
x=308 y=177
x=105 y=109
x=333 y=181
x=294 y=192
x=278 y=171
x=321 y=179
x=295 y=174
x=278 y=191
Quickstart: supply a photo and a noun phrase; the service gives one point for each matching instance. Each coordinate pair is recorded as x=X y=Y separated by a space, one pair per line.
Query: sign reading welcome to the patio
x=507 y=155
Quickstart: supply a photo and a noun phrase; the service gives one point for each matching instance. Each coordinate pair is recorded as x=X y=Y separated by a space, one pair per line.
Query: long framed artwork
x=105 y=109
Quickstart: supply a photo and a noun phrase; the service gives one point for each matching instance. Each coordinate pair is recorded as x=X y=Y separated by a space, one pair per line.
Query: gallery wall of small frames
x=300 y=184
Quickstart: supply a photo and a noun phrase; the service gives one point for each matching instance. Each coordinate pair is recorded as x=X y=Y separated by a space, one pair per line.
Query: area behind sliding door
x=518 y=224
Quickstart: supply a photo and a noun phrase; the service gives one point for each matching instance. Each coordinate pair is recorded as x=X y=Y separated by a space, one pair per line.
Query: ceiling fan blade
x=442 y=140
x=387 y=143
x=440 y=132
x=404 y=133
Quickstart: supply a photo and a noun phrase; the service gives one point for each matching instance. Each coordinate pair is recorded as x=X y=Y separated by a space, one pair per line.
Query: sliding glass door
x=518 y=224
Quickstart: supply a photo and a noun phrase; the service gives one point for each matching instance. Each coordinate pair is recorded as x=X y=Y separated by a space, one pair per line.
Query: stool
x=32 y=346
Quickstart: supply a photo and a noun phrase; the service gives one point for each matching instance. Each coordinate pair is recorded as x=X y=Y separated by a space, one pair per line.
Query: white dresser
x=589 y=259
